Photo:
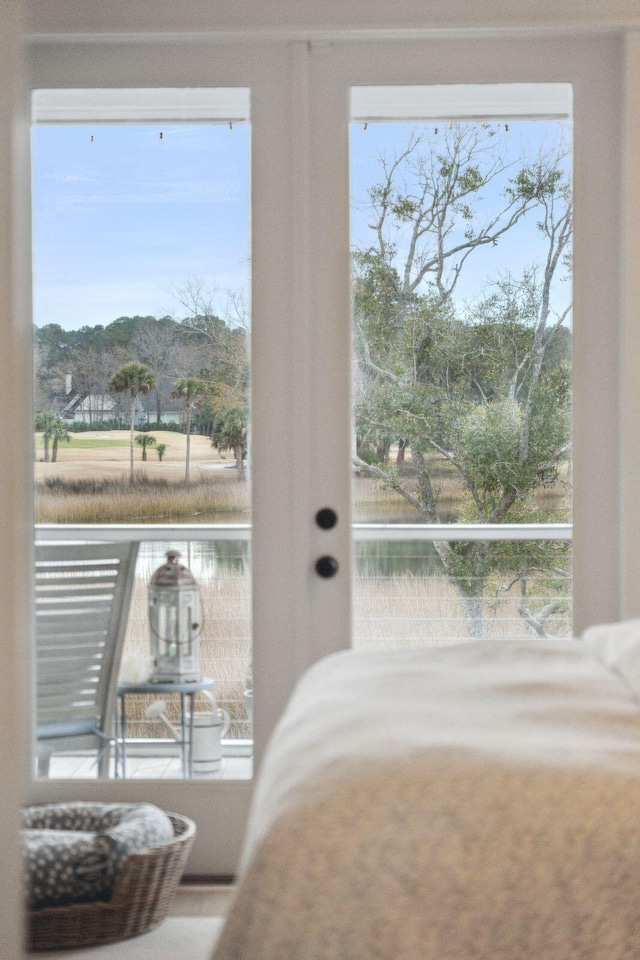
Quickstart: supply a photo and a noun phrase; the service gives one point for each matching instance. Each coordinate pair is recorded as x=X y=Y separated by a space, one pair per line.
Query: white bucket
x=209 y=727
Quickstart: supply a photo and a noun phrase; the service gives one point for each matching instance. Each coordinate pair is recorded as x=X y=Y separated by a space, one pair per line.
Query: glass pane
x=141 y=350
x=461 y=235
x=404 y=597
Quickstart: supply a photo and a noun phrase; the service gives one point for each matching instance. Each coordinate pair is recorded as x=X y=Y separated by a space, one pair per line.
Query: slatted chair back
x=82 y=599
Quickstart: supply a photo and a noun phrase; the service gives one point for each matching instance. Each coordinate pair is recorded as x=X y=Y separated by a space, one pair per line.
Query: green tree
x=230 y=433
x=55 y=341
x=145 y=440
x=483 y=390
x=133 y=378
x=45 y=423
x=90 y=367
x=59 y=432
x=168 y=349
x=161 y=449
x=191 y=392
x=226 y=336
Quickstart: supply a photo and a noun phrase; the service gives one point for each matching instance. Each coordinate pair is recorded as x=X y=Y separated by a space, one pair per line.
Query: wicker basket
x=142 y=895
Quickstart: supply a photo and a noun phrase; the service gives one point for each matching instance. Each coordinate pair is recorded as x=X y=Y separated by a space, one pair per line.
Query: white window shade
x=191 y=105
x=488 y=101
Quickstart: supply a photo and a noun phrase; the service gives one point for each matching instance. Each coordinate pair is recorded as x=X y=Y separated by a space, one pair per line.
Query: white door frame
x=301 y=330
x=592 y=64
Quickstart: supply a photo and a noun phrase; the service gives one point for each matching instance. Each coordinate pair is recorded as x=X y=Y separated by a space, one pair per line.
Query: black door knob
x=326 y=566
x=326 y=518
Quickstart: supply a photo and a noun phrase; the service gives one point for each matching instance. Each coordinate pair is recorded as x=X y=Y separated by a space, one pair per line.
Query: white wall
x=124 y=16
x=15 y=520
x=278 y=16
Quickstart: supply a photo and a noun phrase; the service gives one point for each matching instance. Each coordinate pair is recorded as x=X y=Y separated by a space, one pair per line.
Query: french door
x=301 y=368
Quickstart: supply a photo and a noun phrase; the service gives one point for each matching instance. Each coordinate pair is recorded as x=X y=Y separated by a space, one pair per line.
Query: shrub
x=105 y=425
x=171 y=426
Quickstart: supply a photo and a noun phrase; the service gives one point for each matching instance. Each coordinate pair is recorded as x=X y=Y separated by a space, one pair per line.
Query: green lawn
x=86 y=443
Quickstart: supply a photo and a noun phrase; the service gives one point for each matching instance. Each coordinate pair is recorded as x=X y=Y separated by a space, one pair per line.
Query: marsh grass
x=118 y=501
x=411 y=611
x=377 y=504
x=63 y=500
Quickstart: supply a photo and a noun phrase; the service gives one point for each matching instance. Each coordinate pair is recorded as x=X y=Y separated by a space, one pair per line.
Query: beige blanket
x=475 y=801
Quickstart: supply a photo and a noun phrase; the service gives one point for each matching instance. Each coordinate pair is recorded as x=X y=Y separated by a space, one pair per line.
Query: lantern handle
x=178 y=643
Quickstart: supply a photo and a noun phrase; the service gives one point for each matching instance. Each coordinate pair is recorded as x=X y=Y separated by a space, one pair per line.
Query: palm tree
x=45 y=422
x=132 y=378
x=191 y=392
x=160 y=450
x=145 y=440
x=58 y=432
x=230 y=433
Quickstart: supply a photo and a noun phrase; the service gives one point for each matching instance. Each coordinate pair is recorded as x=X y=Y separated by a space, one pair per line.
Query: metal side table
x=186 y=691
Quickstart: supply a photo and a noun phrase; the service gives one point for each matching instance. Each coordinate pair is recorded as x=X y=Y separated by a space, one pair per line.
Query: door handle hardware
x=326 y=518
x=326 y=567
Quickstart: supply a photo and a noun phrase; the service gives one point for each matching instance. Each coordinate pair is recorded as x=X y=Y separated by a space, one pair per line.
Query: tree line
x=200 y=361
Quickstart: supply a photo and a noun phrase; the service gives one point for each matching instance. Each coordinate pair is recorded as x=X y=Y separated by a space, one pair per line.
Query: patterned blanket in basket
x=72 y=852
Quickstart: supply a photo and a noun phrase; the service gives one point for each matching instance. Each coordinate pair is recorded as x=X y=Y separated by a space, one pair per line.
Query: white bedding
x=474 y=801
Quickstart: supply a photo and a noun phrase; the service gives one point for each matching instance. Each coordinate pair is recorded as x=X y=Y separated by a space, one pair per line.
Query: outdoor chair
x=82 y=598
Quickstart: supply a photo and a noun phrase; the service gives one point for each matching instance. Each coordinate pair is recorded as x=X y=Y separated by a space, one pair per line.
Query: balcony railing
x=401 y=597
x=361 y=531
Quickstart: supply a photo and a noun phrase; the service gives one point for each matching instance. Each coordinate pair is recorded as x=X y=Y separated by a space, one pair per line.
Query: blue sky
x=122 y=215
x=121 y=219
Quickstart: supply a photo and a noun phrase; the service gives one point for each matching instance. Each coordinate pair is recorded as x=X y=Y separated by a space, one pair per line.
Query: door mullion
x=329 y=352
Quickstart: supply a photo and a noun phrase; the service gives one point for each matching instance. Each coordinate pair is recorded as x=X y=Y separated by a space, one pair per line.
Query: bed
x=480 y=800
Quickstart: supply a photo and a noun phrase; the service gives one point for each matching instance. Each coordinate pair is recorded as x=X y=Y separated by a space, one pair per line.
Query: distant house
x=96 y=408
x=100 y=407
x=167 y=410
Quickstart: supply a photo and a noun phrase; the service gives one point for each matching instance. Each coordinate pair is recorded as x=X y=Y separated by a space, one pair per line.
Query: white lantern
x=175 y=623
